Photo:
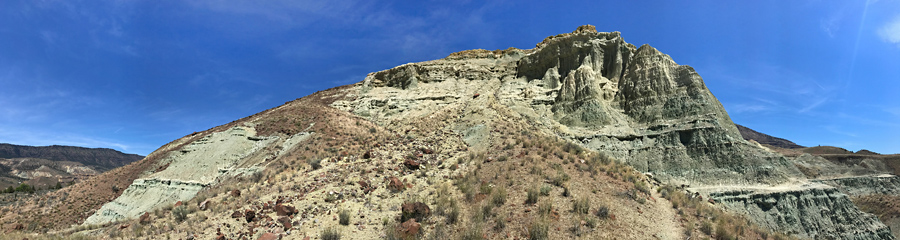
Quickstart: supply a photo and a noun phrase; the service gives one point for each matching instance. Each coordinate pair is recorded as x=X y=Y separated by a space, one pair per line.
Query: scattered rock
x=395 y=184
x=18 y=226
x=476 y=95
x=417 y=210
x=235 y=193
x=367 y=155
x=237 y=214
x=124 y=226
x=269 y=236
x=284 y=210
x=179 y=203
x=409 y=229
x=285 y=222
x=204 y=205
x=411 y=164
x=250 y=215
x=144 y=219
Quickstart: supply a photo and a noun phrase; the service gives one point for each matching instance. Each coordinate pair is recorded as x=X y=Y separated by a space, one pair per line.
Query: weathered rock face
x=635 y=104
x=811 y=211
x=189 y=170
x=865 y=185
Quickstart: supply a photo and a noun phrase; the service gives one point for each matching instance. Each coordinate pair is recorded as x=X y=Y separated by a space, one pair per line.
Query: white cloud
x=890 y=32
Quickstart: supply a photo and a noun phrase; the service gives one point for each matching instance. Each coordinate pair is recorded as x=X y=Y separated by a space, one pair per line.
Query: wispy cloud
x=890 y=32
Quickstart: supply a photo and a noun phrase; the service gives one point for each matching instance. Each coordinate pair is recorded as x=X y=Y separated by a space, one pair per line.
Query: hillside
x=584 y=136
x=44 y=167
x=102 y=159
x=750 y=134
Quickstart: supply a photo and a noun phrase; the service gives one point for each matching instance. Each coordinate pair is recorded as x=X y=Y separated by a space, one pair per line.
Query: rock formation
x=384 y=146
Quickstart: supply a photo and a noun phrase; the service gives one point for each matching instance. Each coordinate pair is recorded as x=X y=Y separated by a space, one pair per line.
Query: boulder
x=237 y=214
x=409 y=229
x=394 y=184
x=411 y=164
x=416 y=210
x=145 y=218
x=235 y=193
x=250 y=215
x=204 y=205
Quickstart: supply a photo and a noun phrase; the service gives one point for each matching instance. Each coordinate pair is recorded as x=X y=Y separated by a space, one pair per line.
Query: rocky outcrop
x=634 y=104
x=810 y=211
x=865 y=185
x=593 y=88
x=189 y=170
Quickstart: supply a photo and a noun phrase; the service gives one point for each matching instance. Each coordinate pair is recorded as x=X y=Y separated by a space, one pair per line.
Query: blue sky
x=134 y=75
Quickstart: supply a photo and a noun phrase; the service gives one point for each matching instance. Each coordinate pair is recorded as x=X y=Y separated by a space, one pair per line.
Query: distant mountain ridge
x=103 y=159
x=750 y=134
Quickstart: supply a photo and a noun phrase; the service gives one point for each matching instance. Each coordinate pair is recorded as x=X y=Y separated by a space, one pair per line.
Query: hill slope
x=584 y=136
x=750 y=134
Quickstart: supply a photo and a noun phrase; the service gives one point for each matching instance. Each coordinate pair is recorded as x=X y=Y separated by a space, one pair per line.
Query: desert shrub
x=561 y=178
x=472 y=233
x=330 y=233
x=532 y=196
x=485 y=188
x=486 y=211
x=722 y=232
x=642 y=187
x=706 y=227
x=582 y=205
x=591 y=222
x=499 y=196
x=538 y=230
x=545 y=190
x=602 y=212
x=314 y=163
x=545 y=207
x=180 y=213
x=344 y=217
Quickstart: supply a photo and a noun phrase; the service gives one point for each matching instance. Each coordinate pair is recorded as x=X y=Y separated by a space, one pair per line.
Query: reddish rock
x=284 y=210
x=416 y=210
x=367 y=155
x=409 y=229
x=250 y=215
x=204 y=205
x=476 y=95
x=285 y=222
x=427 y=151
x=395 y=184
x=235 y=193
x=220 y=236
x=237 y=214
x=269 y=236
x=712 y=201
x=144 y=219
x=178 y=203
x=124 y=226
x=18 y=226
x=411 y=164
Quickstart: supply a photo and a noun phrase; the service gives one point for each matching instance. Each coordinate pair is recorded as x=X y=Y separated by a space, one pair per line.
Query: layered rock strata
x=634 y=104
x=814 y=211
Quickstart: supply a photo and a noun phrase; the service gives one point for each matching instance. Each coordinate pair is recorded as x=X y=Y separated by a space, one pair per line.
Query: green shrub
x=180 y=213
x=315 y=164
x=538 y=230
x=344 y=217
x=602 y=212
x=532 y=196
x=545 y=190
x=582 y=205
x=545 y=207
x=330 y=233
x=499 y=196
x=706 y=227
